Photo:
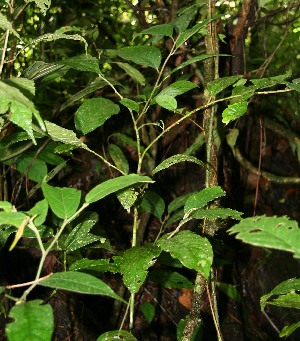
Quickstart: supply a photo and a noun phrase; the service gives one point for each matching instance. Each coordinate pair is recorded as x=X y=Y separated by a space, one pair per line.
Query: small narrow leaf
x=234 y=111
x=202 y=198
x=118 y=157
x=114 y=185
x=178 y=88
x=79 y=282
x=93 y=113
x=288 y=330
x=176 y=159
x=64 y=202
x=63 y=135
x=143 y=257
x=217 y=85
x=22 y=117
x=163 y=30
x=148 y=311
x=133 y=73
x=142 y=55
x=130 y=104
x=94 y=265
x=167 y=102
x=33 y=320
x=216 y=213
x=193 y=251
x=274 y=232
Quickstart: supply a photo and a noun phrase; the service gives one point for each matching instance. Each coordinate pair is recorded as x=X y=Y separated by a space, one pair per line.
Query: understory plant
x=60 y=219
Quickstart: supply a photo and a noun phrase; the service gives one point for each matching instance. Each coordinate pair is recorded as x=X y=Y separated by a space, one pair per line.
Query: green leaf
x=118 y=157
x=195 y=60
x=117 y=335
x=33 y=320
x=127 y=197
x=83 y=62
x=130 y=104
x=133 y=73
x=167 y=102
x=80 y=236
x=217 y=85
x=288 y=330
x=216 y=213
x=178 y=88
x=175 y=217
x=6 y=25
x=43 y=5
x=153 y=203
x=22 y=116
x=142 y=55
x=193 y=251
x=288 y=286
x=135 y=264
x=63 y=135
x=273 y=232
x=79 y=282
x=37 y=169
x=230 y=290
x=184 y=36
x=41 y=210
x=93 y=113
x=163 y=30
x=234 y=111
x=114 y=185
x=148 y=311
x=6 y=206
x=26 y=86
x=64 y=202
x=186 y=15
x=176 y=159
x=94 y=265
x=170 y=279
x=290 y=300
x=39 y=69
x=178 y=202
x=202 y=198
x=12 y=218
x=97 y=84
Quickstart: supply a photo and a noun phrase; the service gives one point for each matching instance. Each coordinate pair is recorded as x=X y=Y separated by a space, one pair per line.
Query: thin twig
x=4 y=51
x=36 y=281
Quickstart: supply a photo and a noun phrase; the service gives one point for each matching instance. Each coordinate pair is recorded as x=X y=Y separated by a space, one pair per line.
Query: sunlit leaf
x=288 y=330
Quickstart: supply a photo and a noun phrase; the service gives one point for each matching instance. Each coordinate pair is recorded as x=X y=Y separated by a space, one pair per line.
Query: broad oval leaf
x=142 y=55
x=273 y=232
x=178 y=88
x=93 y=113
x=12 y=218
x=176 y=159
x=33 y=320
x=193 y=251
x=219 y=84
x=113 y=185
x=135 y=264
x=167 y=102
x=202 y=198
x=63 y=201
x=40 y=209
x=34 y=169
x=21 y=115
x=79 y=282
x=234 y=111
